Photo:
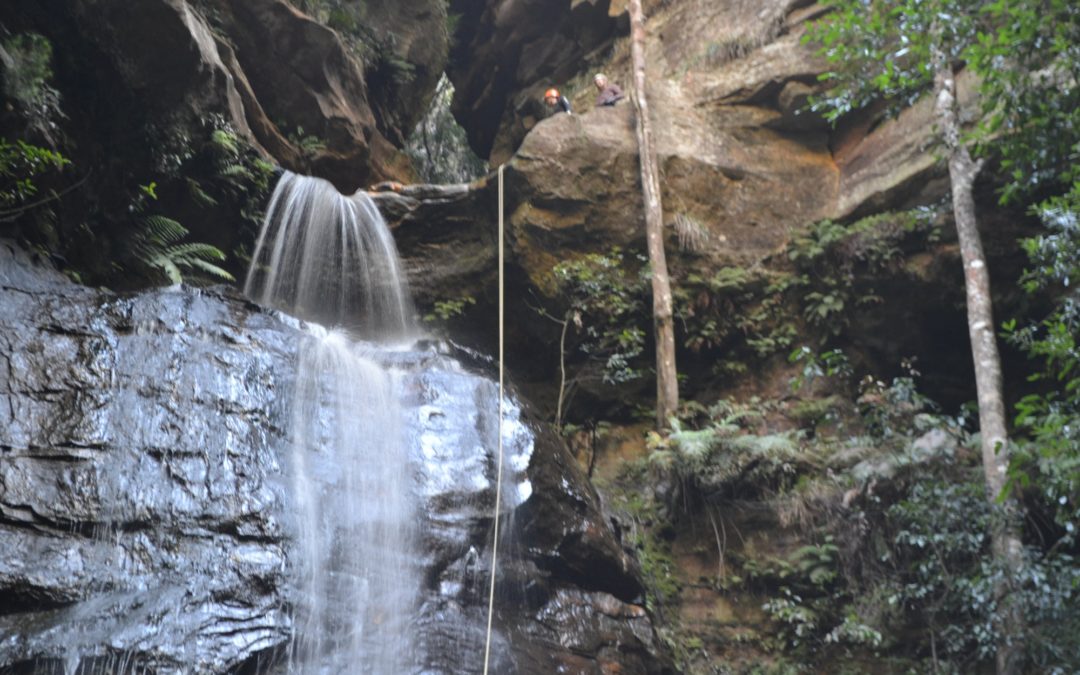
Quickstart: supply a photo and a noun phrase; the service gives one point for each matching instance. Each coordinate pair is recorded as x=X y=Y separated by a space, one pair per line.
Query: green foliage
x=378 y=51
x=882 y=50
x=941 y=545
x=226 y=142
x=738 y=315
x=798 y=620
x=309 y=144
x=605 y=303
x=1024 y=52
x=834 y=261
x=225 y=173
x=157 y=251
x=724 y=457
x=852 y=631
x=344 y=16
x=394 y=66
x=445 y=310
x=831 y=363
x=730 y=312
x=159 y=248
x=812 y=412
x=26 y=68
x=813 y=568
x=1049 y=419
x=20 y=164
x=453 y=22
x=887 y=408
x=1029 y=67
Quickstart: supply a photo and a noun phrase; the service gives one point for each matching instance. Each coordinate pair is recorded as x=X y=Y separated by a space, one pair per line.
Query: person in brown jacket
x=610 y=94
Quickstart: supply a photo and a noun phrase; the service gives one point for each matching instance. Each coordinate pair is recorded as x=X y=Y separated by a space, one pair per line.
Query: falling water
x=330 y=258
x=356 y=535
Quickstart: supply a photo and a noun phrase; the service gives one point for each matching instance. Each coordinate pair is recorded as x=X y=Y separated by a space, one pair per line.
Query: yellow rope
x=499 y=459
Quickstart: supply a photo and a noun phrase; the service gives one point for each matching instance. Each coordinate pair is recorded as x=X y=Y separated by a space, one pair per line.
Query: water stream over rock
x=327 y=257
x=190 y=483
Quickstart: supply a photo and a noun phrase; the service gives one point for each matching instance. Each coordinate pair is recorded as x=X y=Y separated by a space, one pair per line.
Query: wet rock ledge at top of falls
x=145 y=512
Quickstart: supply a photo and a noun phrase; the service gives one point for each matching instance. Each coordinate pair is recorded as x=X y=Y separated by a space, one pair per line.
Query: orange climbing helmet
x=551 y=93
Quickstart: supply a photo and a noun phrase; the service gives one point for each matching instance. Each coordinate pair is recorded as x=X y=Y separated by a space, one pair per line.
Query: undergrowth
x=882 y=505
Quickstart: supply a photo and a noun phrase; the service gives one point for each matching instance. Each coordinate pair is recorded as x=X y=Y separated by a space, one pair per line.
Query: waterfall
x=357 y=562
x=330 y=258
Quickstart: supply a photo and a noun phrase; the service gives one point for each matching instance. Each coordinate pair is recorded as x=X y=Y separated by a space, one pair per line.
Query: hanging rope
x=499 y=458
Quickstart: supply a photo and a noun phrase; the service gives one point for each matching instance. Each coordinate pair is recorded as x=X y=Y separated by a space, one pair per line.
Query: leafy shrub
x=26 y=68
x=444 y=310
x=834 y=259
x=723 y=459
x=731 y=312
x=1049 y=449
x=605 y=303
x=20 y=164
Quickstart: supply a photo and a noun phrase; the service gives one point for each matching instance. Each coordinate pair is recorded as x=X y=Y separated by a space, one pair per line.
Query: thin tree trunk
x=667 y=386
x=562 y=373
x=1005 y=537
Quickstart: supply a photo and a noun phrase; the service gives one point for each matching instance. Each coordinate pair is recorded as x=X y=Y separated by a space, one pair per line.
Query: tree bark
x=1005 y=536
x=562 y=373
x=667 y=385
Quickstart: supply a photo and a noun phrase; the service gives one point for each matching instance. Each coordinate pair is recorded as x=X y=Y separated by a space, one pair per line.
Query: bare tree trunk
x=1005 y=536
x=562 y=373
x=667 y=386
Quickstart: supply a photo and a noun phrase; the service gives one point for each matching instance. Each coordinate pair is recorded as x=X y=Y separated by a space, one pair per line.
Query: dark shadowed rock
x=145 y=509
x=291 y=85
x=507 y=52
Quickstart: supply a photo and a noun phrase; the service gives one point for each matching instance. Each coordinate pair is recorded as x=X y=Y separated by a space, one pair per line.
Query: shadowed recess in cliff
x=330 y=258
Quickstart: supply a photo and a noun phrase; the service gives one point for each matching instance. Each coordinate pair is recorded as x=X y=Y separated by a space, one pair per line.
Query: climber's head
x=600 y=80
x=551 y=96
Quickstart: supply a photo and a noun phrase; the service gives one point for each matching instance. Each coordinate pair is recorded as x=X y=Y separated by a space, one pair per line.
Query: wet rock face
x=145 y=508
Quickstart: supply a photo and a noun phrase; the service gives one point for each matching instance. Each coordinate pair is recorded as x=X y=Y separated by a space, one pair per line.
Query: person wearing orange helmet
x=557 y=101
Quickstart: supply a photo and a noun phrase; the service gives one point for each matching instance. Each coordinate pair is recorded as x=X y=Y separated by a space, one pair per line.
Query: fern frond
x=225 y=141
x=194 y=250
x=157 y=247
x=236 y=171
x=171 y=270
x=210 y=268
x=199 y=196
x=163 y=231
